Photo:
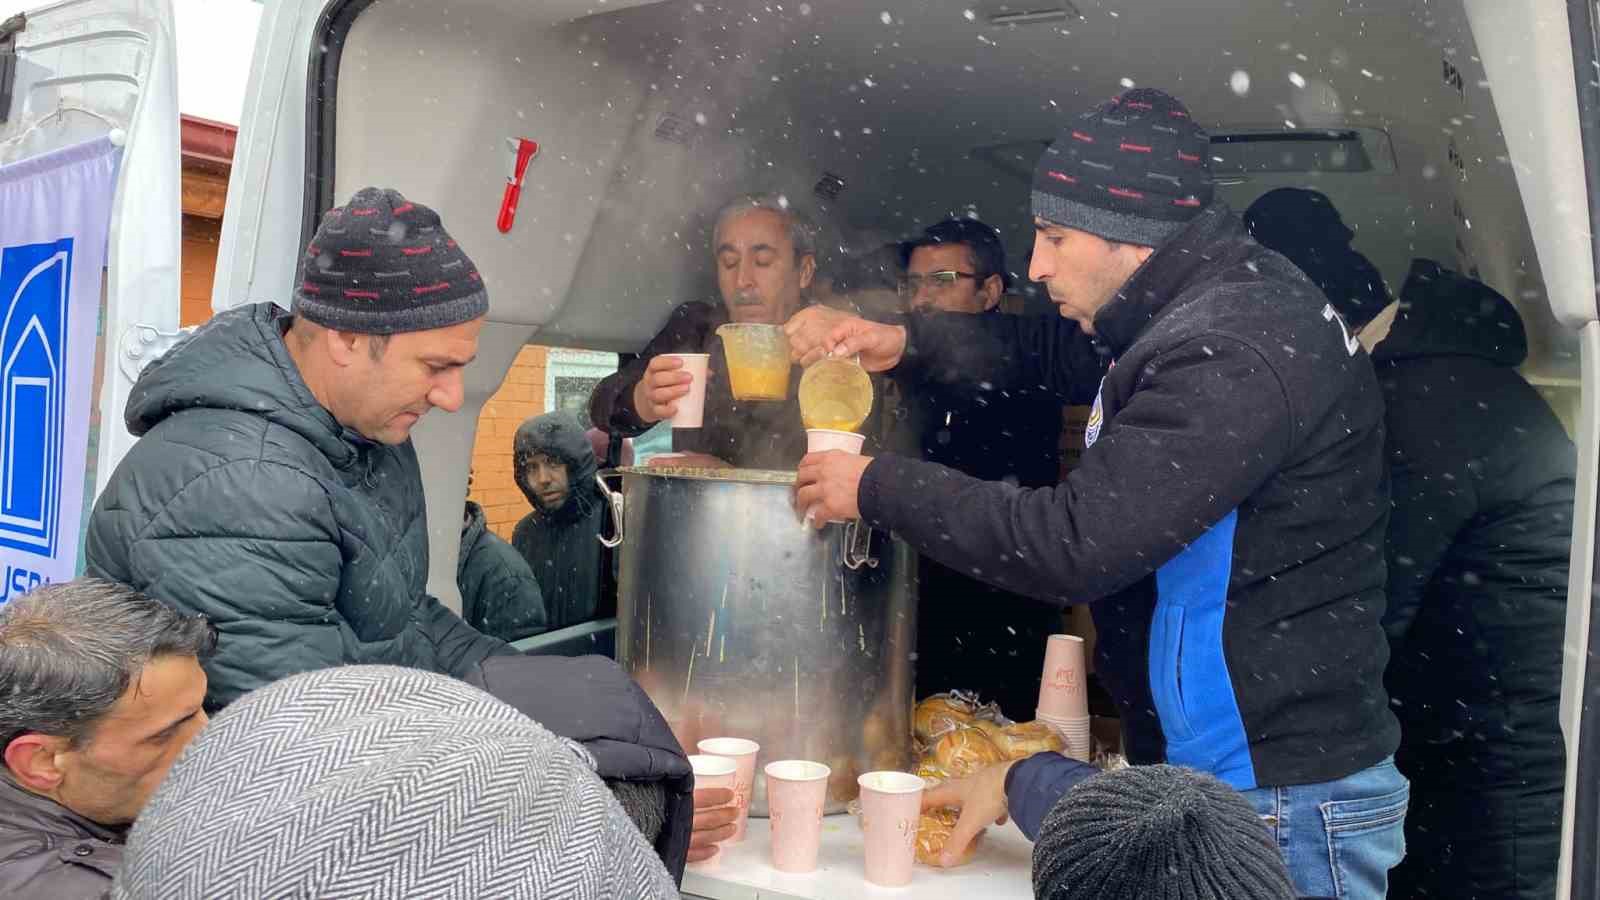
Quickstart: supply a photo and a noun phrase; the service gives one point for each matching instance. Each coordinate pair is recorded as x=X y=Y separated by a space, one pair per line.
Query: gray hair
x=802 y=231
x=69 y=651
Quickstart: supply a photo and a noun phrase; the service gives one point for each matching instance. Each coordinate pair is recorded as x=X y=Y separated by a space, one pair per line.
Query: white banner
x=55 y=218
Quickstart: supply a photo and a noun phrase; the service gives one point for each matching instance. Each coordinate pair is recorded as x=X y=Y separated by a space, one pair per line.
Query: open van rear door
x=71 y=72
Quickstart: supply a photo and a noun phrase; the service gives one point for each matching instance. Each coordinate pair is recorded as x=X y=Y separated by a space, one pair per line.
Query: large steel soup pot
x=739 y=621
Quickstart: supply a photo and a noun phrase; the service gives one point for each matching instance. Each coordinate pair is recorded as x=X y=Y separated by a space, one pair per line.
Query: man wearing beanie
x=1226 y=522
x=374 y=781
x=275 y=489
x=1156 y=833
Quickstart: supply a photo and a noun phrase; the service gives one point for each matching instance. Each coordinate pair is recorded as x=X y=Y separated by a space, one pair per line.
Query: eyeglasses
x=911 y=285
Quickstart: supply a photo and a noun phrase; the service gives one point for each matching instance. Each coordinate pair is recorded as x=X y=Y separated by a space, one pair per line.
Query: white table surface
x=1001 y=870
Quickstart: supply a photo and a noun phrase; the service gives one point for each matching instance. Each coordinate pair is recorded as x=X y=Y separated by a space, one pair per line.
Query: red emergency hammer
x=522 y=152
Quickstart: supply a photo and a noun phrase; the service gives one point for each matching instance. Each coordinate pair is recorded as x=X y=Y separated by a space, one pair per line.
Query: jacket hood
x=1304 y=226
x=474 y=524
x=1444 y=313
x=238 y=361
x=563 y=436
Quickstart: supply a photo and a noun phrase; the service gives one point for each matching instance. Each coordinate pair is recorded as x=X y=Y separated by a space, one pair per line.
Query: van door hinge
x=142 y=345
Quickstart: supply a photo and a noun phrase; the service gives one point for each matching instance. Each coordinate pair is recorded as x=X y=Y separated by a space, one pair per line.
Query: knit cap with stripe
x=1134 y=170
x=384 y=265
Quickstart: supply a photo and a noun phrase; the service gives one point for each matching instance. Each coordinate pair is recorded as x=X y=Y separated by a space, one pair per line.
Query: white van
x=1463 y=131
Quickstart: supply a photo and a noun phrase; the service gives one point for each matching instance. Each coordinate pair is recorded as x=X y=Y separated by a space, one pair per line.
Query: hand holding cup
x=664 y=383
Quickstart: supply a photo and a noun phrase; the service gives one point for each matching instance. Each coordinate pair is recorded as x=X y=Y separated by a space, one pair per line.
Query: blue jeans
x=1339 y=838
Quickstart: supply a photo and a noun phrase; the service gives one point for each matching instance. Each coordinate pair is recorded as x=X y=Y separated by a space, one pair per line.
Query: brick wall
x=199 y=268
x=493 y=481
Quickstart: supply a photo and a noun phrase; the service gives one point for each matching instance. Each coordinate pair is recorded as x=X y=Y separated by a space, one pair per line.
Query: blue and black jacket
x=1226 y=524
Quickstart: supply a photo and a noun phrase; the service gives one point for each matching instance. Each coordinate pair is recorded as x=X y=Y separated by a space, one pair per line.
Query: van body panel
x=87 y=68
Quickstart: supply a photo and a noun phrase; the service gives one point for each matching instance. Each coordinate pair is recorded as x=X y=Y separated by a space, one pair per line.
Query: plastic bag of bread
x=933 y=832
x=942 y=713
x=965 y=751
x=930 y=771
x=1024 y=739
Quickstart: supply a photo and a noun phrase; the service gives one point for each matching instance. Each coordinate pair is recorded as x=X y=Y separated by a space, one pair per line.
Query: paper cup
x=891 y=810
x=743 y=753
x=820 y=439
x=796 y=792
x=692 y=408
x=1074 y=732
x=713 y=772
x=1063 y=693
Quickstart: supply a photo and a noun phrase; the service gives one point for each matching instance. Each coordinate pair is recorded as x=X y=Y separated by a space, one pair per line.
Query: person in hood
x=499 y=595
x=102 y=689
x=275 y=489
x=1482 y=477
x=555 y=467
x=377 y=781
x=1304 y=226
x=1225 y=524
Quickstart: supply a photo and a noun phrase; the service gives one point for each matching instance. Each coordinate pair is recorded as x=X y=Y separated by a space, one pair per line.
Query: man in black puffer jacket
x=1226 y=522
x=275 y=489
x=1482 y=476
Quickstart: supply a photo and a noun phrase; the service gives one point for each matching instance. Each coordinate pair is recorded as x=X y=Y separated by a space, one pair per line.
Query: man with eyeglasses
x=958 y=266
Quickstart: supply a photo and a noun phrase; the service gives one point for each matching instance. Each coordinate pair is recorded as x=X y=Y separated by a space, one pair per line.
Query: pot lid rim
x=699 y=473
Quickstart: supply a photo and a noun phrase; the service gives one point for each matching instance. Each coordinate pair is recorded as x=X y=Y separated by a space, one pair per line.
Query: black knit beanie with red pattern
x=1133 y=170
x=384 y=265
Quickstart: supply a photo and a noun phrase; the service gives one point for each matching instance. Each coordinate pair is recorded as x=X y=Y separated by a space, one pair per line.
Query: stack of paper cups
x=1063 y=693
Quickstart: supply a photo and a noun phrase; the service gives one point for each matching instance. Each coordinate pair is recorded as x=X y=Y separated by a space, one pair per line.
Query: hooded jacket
x=1482 y=475
x=247 y=502
x=49 y=852
x=1225 y=524
x=1305 y=226
x=562 y=547
x=499 y=595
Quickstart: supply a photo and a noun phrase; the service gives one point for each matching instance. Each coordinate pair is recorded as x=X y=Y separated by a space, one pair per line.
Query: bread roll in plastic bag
x=965 y=751
x=933 y=832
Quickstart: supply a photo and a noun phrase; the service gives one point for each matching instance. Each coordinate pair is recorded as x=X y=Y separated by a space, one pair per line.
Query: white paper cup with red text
x=743 y=753
x=692 y=408
x=891 y=811
x=1063 y=688
x=797 y=790
x=713 y=772
x=820 y=439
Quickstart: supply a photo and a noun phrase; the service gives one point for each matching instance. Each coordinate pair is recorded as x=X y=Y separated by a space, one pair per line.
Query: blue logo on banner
x=34 y=287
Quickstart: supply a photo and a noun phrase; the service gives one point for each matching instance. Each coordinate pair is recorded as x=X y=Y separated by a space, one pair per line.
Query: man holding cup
x=1226 y=522
x=764 y=251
